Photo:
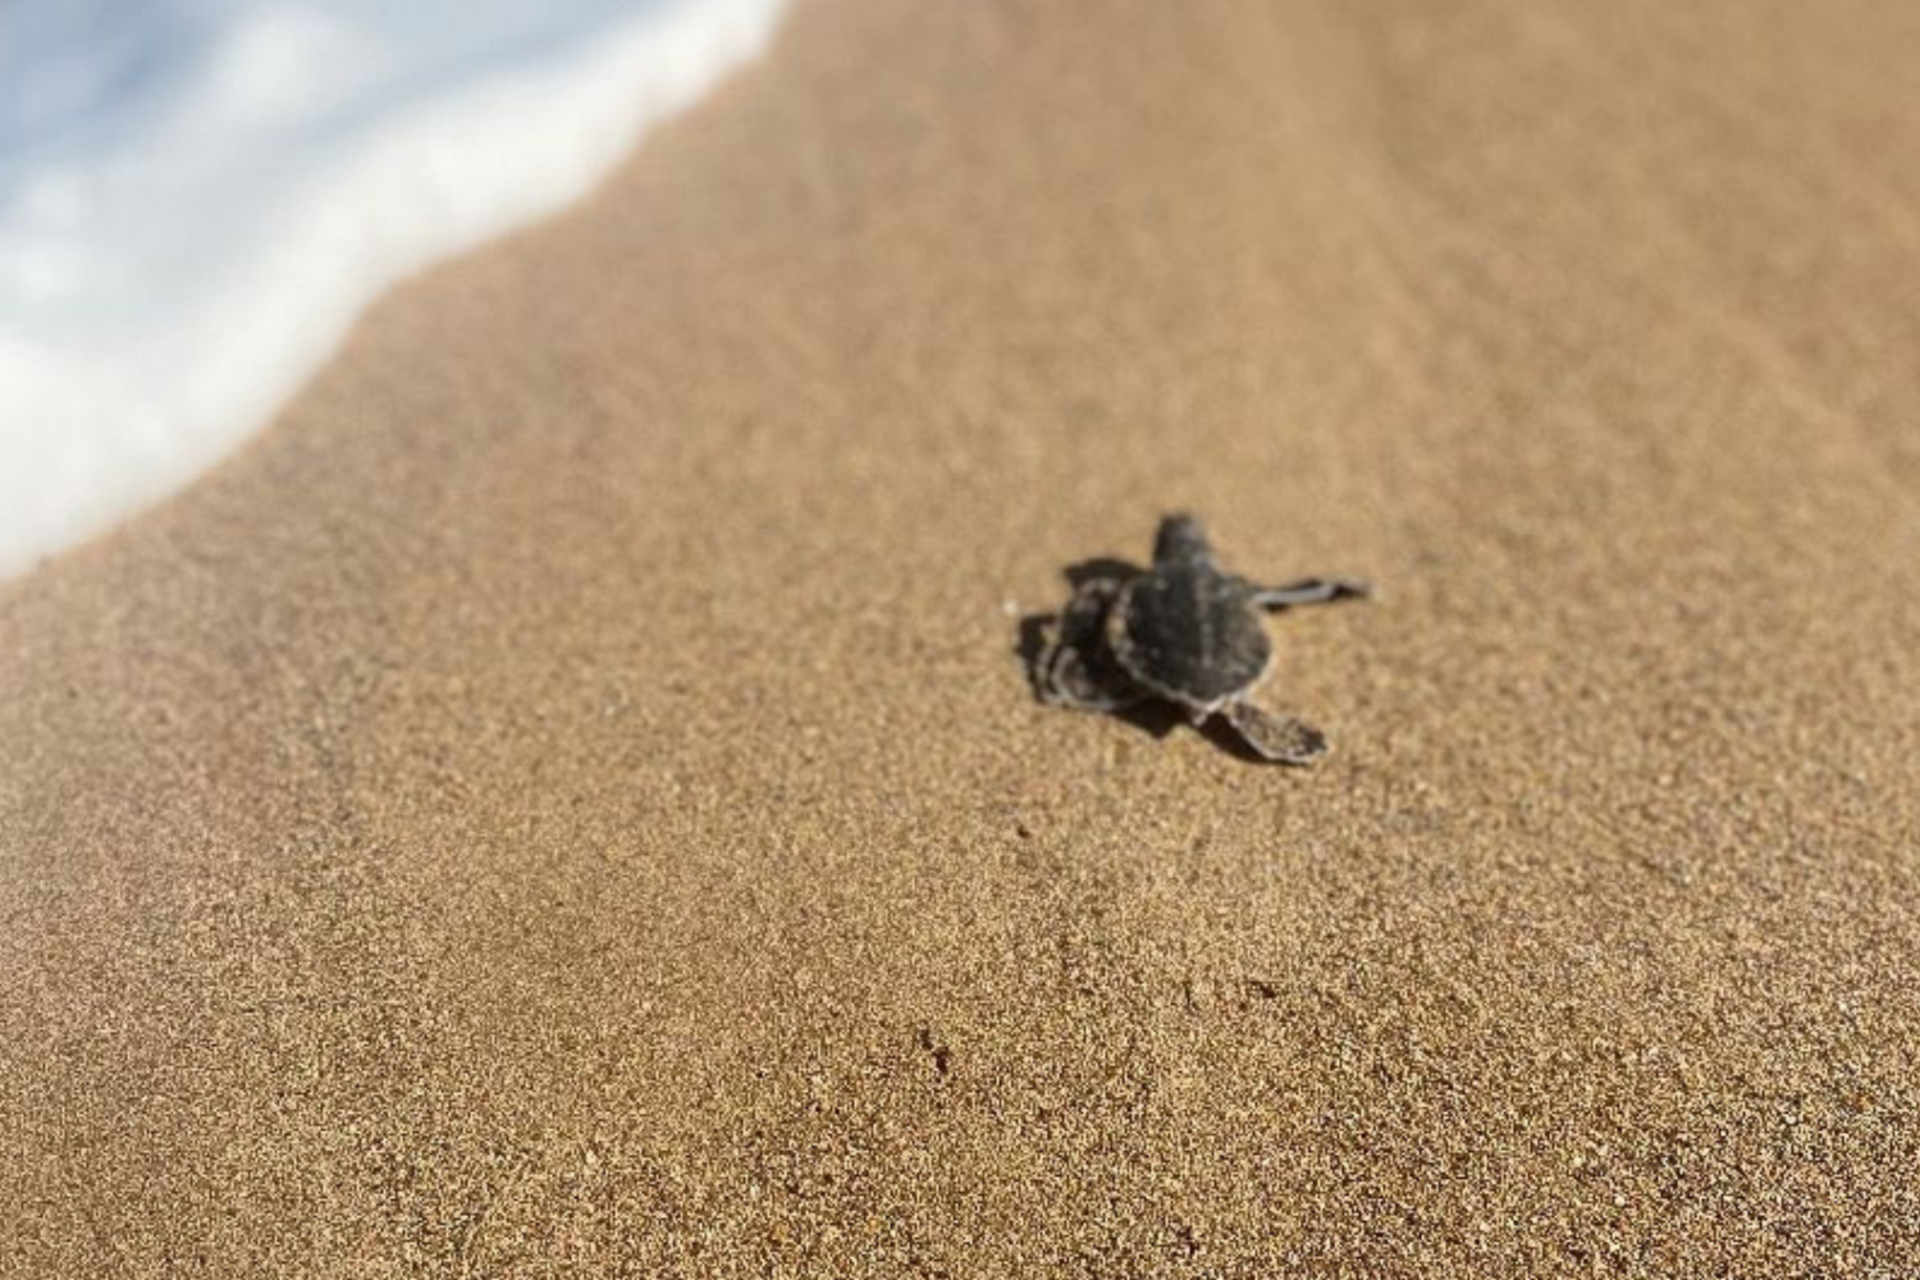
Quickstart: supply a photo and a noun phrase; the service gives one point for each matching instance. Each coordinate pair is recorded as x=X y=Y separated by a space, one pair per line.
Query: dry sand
x=564 y=800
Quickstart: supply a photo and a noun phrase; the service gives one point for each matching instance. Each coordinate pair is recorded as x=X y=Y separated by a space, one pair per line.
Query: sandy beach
x=565 y=799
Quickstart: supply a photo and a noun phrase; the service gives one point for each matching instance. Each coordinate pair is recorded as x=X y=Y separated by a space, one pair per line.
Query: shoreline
x=160 y=231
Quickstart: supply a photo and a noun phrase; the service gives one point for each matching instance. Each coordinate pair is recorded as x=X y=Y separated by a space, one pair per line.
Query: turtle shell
x=1190 y=634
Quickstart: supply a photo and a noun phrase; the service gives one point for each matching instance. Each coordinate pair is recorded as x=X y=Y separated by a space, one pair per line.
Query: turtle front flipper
x=1075 y=668
x=1310 y=591
x=1279 y=738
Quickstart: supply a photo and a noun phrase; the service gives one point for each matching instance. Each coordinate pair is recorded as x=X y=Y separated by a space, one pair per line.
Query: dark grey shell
x=1190 y=633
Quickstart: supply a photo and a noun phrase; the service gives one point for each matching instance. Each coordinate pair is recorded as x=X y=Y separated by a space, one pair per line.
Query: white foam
x=198 y=196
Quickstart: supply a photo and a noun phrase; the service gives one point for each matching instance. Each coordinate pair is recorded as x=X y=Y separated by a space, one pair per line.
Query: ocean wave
x=197 y=197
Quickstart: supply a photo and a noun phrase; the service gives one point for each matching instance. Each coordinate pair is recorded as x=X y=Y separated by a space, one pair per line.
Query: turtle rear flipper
x=1275 y=737
x=1075 y=668
x=1069 y=678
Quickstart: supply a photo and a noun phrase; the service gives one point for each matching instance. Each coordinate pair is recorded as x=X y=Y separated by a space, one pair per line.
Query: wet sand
x=565 y=800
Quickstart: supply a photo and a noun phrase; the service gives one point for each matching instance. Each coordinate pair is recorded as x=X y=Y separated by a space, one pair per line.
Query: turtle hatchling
x=1186 y=632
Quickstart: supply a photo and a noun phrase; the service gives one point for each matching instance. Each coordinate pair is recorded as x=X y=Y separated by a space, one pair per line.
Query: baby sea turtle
x=1185 y=631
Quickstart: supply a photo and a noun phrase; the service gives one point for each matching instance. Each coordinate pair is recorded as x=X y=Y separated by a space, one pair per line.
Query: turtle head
x=1182 y=540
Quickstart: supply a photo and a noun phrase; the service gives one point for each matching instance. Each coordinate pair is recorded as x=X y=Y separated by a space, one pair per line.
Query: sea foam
x=198 y=196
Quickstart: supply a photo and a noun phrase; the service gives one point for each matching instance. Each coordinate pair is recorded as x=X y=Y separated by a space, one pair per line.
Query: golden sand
x=564 y=801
